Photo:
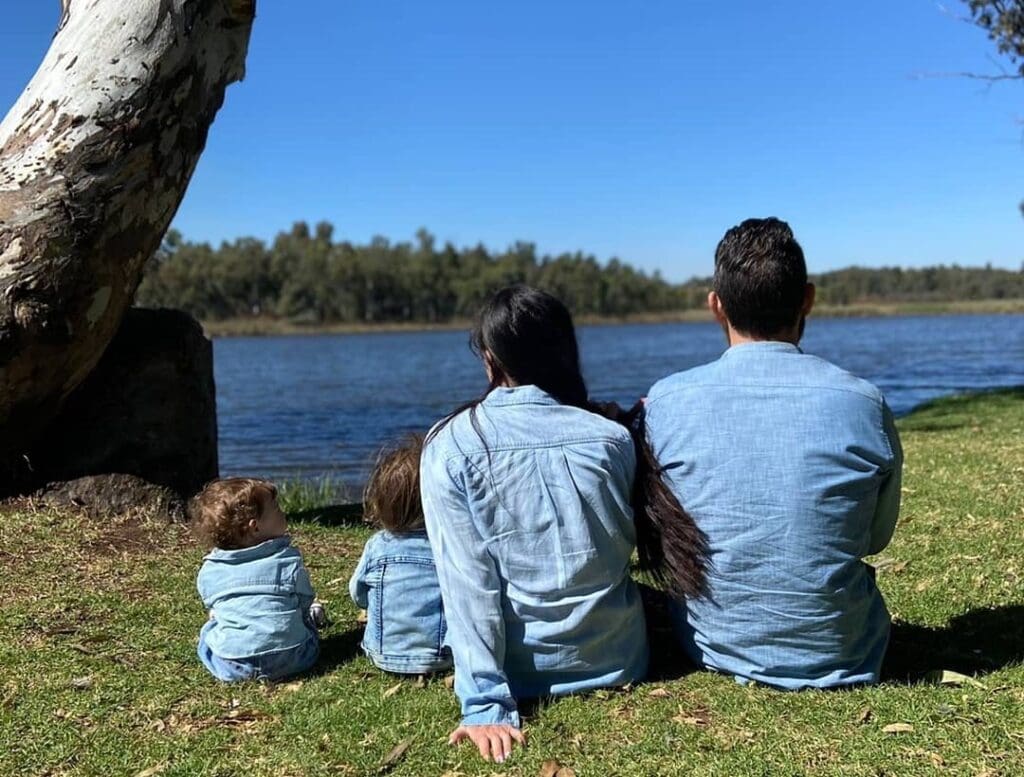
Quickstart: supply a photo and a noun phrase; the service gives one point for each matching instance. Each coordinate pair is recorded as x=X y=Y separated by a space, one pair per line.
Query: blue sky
x=638 y=130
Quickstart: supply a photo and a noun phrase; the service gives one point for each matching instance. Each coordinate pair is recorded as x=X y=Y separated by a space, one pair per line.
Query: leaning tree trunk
x=94 y=160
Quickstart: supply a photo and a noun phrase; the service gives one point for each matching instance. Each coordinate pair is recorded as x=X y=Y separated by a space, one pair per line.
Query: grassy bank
x=98 y=625
x=238 y=327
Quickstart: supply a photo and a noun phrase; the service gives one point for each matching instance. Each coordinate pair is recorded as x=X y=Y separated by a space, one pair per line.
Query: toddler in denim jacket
x=263 y=619
x=405 y=626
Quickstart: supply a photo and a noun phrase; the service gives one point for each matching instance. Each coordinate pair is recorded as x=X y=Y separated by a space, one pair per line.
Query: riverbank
x=256 y=327
x=97 y=641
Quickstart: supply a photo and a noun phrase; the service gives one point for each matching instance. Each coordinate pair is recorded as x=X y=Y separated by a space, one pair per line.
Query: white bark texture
x=94 y=160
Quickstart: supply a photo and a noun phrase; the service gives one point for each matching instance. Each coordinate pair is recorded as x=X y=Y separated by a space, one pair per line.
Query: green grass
x=97 y=673
x=305 y=498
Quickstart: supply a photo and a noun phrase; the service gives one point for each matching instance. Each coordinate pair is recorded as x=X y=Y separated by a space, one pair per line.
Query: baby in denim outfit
x=405 y=627
x=263 y=618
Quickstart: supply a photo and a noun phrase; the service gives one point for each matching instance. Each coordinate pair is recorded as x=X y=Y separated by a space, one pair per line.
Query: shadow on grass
x=331 y=515
x=977 y=642
x=954 y=412
x=336 y=650
x=668 y=661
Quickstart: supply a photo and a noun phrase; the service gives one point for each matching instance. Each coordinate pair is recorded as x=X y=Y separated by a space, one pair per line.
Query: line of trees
x=306 y=275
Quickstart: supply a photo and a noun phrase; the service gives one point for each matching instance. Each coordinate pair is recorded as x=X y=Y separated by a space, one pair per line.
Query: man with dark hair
x=791 y=467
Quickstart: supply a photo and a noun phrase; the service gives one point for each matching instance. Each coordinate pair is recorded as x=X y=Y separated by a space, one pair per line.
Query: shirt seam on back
x=465 y=453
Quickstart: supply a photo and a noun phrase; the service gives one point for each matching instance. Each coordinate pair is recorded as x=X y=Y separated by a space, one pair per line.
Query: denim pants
x=269 y=666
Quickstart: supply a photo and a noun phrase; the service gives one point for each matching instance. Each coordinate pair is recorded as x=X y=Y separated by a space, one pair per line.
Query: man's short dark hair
x=760 y=277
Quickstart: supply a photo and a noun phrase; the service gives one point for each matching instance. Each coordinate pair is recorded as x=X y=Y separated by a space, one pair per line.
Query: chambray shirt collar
x=263 y=550
x=518 y=395
x=762 y=346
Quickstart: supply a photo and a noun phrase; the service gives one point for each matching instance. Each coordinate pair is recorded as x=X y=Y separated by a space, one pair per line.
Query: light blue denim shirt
x=532 y=536
x=396 y=583
x=259 y=598
x=791 y=466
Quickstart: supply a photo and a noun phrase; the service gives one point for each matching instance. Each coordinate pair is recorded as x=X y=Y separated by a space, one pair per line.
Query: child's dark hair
x=391 y=500
x=221 y=512
x=530 y=337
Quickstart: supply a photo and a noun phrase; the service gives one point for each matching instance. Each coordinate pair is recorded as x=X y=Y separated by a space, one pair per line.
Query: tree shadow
x=336 y=650
x=975 y=643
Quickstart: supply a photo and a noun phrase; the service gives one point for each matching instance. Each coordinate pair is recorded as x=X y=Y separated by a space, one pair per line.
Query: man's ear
x=253 y=526
x=717 y=308
x=809 y=293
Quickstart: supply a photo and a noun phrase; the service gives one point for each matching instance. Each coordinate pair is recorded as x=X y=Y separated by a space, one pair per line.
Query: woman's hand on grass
x=493 y=742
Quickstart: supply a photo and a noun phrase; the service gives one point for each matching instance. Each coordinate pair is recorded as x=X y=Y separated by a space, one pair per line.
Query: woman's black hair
x=527 y=338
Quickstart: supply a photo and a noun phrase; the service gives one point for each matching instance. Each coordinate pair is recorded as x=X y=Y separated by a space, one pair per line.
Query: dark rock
x=103 y=496
x=148 y=409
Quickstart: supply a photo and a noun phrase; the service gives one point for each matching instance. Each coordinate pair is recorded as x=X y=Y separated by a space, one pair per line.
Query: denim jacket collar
x=238 y=555
x=762 y=346
x=519 y=395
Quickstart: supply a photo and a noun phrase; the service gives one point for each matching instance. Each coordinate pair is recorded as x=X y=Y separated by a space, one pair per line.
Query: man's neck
x=735 y=337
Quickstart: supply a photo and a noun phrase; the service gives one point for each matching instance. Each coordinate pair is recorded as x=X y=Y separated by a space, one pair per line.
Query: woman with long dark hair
x=529 y=495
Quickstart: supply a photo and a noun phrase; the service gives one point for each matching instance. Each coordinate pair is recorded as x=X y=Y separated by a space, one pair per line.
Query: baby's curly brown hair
x=392 y=497
x=221 y=512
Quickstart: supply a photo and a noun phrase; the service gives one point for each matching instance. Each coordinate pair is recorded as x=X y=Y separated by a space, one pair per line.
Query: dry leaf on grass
x=392 y=691
x=898 y=728
x=949 y=677
x=889 y=564
x=81 y=683
x=865 y=715
x=690 y=720
x=659 y=693
x=152 y=770
x=551 y=768
x=397 y=754
x=10 y=694
x=698 y=717
x=243 y=719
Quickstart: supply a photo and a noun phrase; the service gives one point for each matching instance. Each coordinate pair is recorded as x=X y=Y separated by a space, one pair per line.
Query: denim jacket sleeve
x=303 y=587
x=471 y=591
x=357 y=587
x=887 y=508
x=203 y=587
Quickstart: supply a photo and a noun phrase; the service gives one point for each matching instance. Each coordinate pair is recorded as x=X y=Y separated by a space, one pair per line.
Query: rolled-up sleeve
x=887 y=508
x=471 y=592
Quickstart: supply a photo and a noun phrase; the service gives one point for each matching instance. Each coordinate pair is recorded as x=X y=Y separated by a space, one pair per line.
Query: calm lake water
x=320 y=405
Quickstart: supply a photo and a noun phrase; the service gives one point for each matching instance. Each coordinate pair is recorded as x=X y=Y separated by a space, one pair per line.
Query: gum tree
x=94 y=160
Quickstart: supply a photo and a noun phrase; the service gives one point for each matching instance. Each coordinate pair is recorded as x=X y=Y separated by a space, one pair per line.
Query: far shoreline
x=271 y=327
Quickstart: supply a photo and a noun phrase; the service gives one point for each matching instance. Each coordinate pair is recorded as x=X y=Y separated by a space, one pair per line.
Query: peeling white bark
x=95 y=157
